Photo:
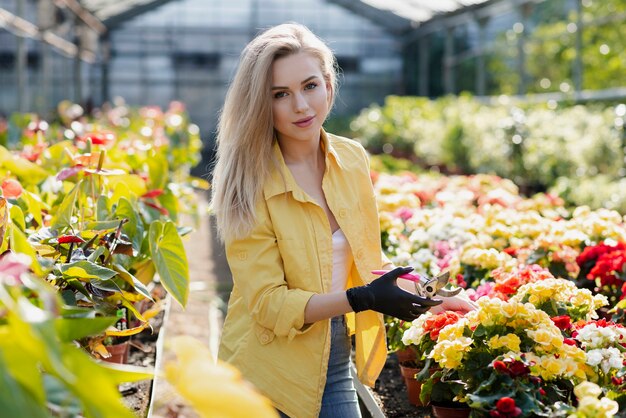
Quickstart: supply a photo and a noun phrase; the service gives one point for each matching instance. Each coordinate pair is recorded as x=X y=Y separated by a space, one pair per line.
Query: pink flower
x=12 y=266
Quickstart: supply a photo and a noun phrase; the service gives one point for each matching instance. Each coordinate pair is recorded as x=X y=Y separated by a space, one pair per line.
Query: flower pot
x=406 y=354
x=119 y=353
x=413 y=387
x=450 y=412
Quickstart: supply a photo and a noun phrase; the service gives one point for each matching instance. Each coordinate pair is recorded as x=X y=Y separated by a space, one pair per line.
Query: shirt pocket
x=263 y=335
x=296 y=262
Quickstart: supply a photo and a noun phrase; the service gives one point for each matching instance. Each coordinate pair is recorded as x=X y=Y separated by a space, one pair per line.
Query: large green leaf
x=158 y=172
x=22 y=369
x=34 y=204
x=107 y=402
x=70 y=329
x=170 y=260
x=20 y=244
x=28 y=172
x=134 y=227
x=131 y=183
x=17 y=217
x=15 y=400
x=63 y=216
x=86 y=270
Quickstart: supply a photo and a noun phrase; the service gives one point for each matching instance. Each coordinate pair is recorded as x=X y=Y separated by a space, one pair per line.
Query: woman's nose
x=300 y=103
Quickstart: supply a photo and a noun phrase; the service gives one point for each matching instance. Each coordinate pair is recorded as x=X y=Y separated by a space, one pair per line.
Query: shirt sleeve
x=258 y=274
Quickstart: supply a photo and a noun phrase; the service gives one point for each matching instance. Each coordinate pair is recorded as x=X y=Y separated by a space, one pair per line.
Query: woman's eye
x=280 y=94
x=310 y=86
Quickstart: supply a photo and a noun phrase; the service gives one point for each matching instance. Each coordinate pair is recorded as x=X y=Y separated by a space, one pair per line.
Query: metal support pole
x=424 y=65
x=578 y=61
x=105 y=48
x=481 y=79
x=77 y=70
x=448 y=62
x=525 y=10
x=21 y=64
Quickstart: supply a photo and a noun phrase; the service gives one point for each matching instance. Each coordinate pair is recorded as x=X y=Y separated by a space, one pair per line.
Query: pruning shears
x=428 y=287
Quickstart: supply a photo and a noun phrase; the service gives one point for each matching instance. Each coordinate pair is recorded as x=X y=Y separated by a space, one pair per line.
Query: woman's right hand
x=383 y=295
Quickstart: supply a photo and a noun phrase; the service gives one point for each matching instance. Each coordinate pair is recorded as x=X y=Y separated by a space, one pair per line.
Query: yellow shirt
x=286 y=259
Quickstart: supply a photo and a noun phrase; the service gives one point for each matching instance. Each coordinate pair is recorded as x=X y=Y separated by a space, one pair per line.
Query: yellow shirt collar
x=277 y=184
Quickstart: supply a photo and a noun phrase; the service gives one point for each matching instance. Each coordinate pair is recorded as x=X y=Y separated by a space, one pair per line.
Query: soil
x=390 y=394
x=142 y=353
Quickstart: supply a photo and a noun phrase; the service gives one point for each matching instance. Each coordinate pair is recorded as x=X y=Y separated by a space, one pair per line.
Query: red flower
x=569 y=341
x=517 y=368
x=506 y=407
x=11 y=188
x=152 y=194
x=66 y=239
x=500 y=366
x=563 y=322
x=99 y=138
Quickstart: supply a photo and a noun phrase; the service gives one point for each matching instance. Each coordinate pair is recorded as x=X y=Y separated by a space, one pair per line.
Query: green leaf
x=107 y=403
x=85 y=269
x=102 y=208
x=63 y=216
x=134 y=227
x=170 y=202
x=34 y=205
x=102 y=225
x=157 y=172
x=29 y=173
x=15 y=400
x=170 y=260
x=17 y=217
x=70 y=329
x=126 y=185
x=132 y=280
x=20 y=244
x=59 y=395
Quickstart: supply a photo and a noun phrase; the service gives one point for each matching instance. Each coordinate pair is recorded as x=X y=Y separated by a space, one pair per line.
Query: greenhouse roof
x=421 y=10
x=403 y=15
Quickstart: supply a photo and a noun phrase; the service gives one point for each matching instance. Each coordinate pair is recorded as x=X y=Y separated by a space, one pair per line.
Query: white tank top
x=342 y=261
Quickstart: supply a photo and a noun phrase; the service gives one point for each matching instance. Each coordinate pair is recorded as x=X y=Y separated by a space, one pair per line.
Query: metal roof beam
x=83 y=14
x=23 y=28
x=394 y=24
x=131 y=12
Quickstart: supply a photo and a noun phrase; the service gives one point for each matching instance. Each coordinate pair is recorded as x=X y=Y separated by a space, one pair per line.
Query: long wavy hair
x=245 y=132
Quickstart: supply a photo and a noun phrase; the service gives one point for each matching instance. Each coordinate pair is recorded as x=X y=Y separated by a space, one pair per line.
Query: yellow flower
x=449 y=353
x=585 y=389
x=551 y=367
x=509 y=341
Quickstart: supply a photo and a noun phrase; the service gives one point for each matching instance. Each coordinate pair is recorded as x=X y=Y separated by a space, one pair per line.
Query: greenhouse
x=312 y=208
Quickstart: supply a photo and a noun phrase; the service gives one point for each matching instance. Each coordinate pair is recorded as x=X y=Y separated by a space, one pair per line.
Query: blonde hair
x=245 y=133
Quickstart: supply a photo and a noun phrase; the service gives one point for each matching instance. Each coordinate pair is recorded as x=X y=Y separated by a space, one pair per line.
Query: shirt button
x=343 y=213
x=359 y=254
x=265 y=338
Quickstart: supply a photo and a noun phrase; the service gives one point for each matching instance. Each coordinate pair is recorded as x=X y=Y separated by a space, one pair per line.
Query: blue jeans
x=339 y=399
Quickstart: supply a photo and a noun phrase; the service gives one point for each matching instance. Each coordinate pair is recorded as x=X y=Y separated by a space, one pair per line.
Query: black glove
x=383 y=295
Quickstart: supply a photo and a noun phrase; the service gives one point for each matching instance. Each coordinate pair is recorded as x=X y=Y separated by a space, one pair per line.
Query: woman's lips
x=304 y=123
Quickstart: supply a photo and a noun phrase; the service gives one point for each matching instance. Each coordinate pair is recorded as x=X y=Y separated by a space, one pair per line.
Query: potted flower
x=421 y=337
x=502 y=350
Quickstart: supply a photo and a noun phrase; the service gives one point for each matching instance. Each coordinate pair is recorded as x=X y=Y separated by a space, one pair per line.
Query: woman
x=295 y=207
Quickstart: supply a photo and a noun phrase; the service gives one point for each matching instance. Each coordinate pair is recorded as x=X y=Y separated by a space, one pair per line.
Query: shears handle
x=409 y=276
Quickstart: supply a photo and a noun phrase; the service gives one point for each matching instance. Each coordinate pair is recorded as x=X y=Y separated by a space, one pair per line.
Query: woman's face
x=300 y=97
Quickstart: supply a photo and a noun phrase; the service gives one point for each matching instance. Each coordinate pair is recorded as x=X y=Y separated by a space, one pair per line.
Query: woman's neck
x=301 y=153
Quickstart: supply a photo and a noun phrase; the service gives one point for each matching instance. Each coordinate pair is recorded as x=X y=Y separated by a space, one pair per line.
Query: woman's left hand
x=459 y=303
